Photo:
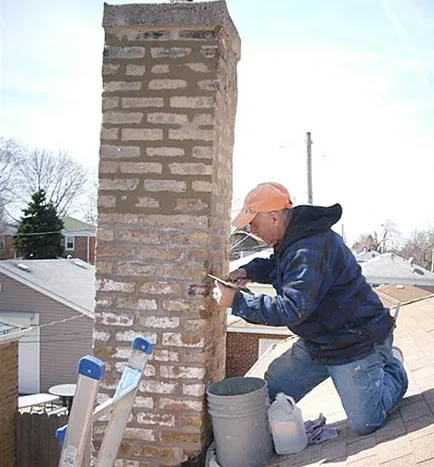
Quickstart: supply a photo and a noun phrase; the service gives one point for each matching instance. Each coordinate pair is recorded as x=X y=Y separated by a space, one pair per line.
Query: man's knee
x=363 y=424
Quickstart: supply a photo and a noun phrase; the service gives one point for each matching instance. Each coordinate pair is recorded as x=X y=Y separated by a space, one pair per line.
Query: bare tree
x=89 y=205
x=62 y=178
x=420 y=247
x=387 y=239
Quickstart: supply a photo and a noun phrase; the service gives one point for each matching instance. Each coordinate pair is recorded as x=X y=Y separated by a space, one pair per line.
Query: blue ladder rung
x=61 y=433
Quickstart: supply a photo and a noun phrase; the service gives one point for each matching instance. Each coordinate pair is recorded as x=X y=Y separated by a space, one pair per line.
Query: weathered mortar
x=165 y=186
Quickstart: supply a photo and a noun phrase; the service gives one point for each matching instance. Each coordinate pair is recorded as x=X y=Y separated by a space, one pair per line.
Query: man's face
x=266 y=226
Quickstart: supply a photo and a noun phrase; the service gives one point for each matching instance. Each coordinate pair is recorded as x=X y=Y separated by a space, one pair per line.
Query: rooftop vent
x=24 y=267
x=80 y=264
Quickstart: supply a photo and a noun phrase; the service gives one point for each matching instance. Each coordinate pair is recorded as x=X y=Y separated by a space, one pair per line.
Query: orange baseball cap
x=266 y=197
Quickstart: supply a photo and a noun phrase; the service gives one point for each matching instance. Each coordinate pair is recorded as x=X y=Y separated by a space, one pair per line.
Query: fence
x=37 y=445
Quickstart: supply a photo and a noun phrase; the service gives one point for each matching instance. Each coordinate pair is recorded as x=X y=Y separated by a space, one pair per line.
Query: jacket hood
x=310 y=220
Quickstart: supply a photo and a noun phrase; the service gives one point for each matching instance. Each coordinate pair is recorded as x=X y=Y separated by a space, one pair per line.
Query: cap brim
x=243 y=219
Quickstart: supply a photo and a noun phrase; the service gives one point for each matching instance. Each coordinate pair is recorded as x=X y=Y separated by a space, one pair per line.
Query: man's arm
x=306 y=280
x=261 y=269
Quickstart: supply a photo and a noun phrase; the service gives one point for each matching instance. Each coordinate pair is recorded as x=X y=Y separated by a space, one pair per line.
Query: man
x=345 y=332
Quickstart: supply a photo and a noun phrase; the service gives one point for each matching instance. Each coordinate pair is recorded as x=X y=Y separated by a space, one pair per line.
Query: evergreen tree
x=39 y=217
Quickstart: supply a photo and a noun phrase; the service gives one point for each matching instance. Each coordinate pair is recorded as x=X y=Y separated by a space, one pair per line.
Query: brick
x=109 y=69
x=198 y=34
x=104 y=267
x=179 y=437
x=167 y=118
x=202 y=186
x=157 y=387
x=122 y=86
x=190 y=168
x=109 y=133
x=203 y=119
x=155 y=451
x=190 y=205
x=101 y=336
x=199 y=238
x=140 y=304
x=176 y=271
x=162 y=322
x=183 y=405
x=170 y=52
x=159 y=84
x=124 y=52
x=203 y=152
x=122 y=184
x=183 y=340
x=122 y=117
x=128 y=336
x=108 y=285
x=114 y=152
x=191 y=134
x=198 y=67
x=167 y=253
x=141 y=167
x=114 y=319
x=196 y=390
x=135 y=70
x=110 y=102
x=146 y=202
x=160 y=288
x=164 y=355
x=156 y=419
x=108 y=167
x=165 y=152
x=143 y=402
x=142 y=102
x=209 y=84
x=176 y=305
x=142 y=134
x=136 y=236
x=142 y=434
x=160 y=69
x=192 y=421
x=192 y=102
x=165 y=185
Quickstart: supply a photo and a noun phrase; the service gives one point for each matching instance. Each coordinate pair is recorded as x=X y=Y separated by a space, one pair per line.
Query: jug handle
x=291 y=401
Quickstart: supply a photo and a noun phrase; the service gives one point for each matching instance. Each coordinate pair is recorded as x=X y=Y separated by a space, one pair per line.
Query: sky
x=357 y=74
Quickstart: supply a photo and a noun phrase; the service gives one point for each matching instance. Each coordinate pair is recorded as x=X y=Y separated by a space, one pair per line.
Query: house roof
x=10 y=332
x=70 y=282
x=246 y=259
x=237 y=324
x=72 y=225
x=407 y=438
x=366 y=255
x=401 y=292
x=389 y=268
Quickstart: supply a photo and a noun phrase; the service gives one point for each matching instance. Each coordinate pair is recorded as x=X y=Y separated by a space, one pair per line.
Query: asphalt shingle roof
x=69 y=281
x=407 y=438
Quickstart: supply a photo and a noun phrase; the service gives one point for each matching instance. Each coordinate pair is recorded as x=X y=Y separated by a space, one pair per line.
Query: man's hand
x=224 y=296
x=239 y=277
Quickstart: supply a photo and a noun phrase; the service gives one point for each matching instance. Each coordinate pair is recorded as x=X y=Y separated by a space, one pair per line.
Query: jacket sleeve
x=306 y=279
x=261 y=269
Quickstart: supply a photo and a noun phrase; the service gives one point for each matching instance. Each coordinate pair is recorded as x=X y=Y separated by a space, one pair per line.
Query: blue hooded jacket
x=322 y=295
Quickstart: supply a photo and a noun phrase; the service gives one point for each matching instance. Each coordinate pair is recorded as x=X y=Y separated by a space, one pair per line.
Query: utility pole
x=309 y=168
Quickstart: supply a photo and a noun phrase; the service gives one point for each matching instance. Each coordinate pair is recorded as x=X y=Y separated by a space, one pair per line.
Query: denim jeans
x=369 y=388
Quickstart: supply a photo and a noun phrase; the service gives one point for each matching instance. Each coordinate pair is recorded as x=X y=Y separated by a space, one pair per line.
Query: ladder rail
x=75 y=437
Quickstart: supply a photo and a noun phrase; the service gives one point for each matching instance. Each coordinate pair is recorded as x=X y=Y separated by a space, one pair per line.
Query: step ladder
x=76 y=436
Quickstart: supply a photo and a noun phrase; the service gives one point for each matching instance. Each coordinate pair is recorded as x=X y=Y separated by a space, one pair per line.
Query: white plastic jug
x=287 y=426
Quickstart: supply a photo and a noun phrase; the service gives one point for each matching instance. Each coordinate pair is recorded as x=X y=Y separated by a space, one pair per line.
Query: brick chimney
x=165 y=187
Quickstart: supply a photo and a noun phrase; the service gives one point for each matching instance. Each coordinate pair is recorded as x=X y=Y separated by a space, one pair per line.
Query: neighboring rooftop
x=389 y=268
x=237 y=324
x=407 y=438
x=400 y=293
x=69 y=281
x=9 y=332
x=70 y=224
x=366 y=256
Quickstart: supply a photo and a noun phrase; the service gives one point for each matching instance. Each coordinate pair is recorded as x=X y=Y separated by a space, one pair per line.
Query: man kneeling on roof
x=344 y=330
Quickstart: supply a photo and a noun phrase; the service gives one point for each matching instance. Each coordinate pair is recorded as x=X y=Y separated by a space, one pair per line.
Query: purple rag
x=318 y=432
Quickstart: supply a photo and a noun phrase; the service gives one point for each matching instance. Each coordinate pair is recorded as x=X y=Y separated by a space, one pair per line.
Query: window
x=69 y=242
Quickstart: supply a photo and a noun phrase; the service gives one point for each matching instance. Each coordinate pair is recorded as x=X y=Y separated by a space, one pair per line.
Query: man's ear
x=274 y=216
